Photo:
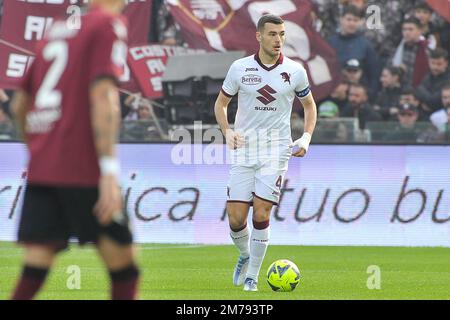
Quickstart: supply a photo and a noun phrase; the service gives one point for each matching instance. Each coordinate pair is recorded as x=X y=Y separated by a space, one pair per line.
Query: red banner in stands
x=147 y=64
x=230 y=25
x=24 y=23
x=441 y=7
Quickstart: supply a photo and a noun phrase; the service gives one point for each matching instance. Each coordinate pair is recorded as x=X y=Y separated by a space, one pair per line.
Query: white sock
x=258 y=247
x=240 y=240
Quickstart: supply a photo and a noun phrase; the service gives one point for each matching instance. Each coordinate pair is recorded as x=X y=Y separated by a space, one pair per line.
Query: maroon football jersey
x=58 y=124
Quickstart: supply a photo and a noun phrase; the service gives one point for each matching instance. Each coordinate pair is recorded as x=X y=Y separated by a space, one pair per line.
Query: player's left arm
x=19 y=107
x=310 y=109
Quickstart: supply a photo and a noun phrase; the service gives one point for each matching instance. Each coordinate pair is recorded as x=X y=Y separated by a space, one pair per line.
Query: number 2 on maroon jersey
x=47 y=96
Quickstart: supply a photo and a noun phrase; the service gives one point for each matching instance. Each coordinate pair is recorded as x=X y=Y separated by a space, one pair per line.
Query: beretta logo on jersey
x=251 y=79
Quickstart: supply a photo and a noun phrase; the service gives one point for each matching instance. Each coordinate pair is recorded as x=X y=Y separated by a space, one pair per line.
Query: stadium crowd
x=394 y=71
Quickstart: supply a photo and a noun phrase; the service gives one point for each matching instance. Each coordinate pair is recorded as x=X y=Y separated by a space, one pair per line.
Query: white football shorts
x=262 y=180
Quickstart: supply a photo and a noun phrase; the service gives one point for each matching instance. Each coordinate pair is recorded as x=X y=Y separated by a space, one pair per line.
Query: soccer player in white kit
x=261 y=143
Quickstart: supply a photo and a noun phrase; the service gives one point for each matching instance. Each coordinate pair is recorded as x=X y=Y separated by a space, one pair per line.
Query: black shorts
x=53 y=215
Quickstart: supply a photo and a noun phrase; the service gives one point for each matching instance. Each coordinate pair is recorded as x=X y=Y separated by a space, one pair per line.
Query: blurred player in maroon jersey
x=68 y=112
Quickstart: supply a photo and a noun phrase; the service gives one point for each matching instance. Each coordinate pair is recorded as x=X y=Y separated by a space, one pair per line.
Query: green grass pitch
x=179 y=272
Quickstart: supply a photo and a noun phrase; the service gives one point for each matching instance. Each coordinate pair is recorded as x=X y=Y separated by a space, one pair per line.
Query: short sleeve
x=302 y=89
x=230 y=85
x=109 y=50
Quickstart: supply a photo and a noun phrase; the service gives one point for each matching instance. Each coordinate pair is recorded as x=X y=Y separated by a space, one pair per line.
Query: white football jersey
x=265 y=98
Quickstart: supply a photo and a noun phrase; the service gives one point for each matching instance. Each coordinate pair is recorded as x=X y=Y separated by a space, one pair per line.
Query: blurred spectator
x=5 y=101
x=424 y=13
x=328 y=109
x=350 y=43
x=385 y=37
x=412 y=52
x=429 y=91
x=168 y=31
x=144 y=112
x=358 y=106
x=332 y=131
x=134 y=107
x=388 y=98
x=352 y=71
x=445 y=37
x=340 y=95
x=407 y=130
x=6 y=125
x=129 y=106
x=327 y=22
x=441 y=118
x=408 y=96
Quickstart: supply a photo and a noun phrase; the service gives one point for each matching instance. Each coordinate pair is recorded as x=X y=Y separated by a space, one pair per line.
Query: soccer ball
x=283 y=276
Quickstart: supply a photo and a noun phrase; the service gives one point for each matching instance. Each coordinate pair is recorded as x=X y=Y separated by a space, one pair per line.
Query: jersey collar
x=279 y=61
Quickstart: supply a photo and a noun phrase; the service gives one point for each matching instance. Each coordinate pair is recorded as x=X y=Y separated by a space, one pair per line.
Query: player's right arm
x=233 y=139
x=229 y=89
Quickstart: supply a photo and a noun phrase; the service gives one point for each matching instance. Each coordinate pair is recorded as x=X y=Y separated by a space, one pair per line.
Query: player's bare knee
x=115 y=255
x=237 y=214
x=236 y=222
x=262 y=210
x=261 y=215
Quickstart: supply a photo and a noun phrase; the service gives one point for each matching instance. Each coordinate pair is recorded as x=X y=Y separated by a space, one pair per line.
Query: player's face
x=271 y=39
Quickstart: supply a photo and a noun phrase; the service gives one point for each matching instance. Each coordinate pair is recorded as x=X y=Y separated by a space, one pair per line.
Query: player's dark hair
x=352 y=10
x=439 y=53
x=413 y=20
x=268 y=18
